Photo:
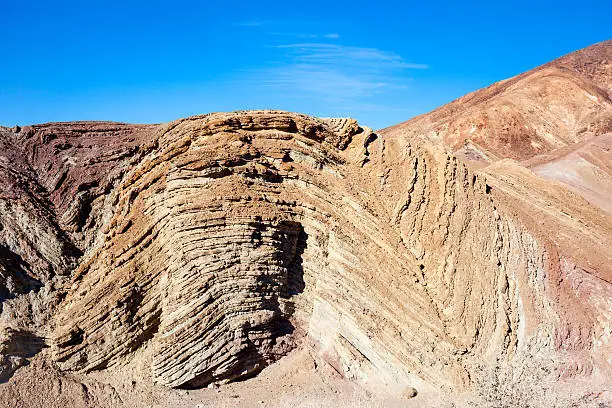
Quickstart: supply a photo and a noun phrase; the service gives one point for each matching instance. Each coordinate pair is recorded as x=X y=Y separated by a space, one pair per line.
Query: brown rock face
x=54 y=181
x=542 y=140
x=200 y=251
x=220 y=241
x=203 y=254
x=563 y=102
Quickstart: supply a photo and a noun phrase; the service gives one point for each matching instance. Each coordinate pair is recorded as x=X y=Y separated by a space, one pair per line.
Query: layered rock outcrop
x=213 y=245
x=465 y=252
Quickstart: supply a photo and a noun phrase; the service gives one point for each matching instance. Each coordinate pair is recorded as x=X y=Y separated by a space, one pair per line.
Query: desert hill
x=272 y=258
x=561 y=103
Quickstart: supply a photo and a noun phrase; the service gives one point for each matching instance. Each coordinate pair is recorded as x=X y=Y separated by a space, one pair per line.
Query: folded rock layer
x=231 y=238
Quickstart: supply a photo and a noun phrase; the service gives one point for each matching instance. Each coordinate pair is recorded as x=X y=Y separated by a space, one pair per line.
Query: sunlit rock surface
x=199 y=252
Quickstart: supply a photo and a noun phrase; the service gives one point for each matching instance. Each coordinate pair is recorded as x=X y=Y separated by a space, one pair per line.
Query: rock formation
x=198 y=252
x=566 y=101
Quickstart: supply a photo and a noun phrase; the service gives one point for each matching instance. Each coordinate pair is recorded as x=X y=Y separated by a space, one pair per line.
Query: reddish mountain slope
x=563 y=102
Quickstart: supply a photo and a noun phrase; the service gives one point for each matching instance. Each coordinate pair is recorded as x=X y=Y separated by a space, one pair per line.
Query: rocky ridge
x=203 y=250
x=563 y=102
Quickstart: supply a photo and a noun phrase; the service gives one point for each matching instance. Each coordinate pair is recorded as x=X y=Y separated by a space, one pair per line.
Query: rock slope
x=585 y=168
x=566 y=101
x=203 y=250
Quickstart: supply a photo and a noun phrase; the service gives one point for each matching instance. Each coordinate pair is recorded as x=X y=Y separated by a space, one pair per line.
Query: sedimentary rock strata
x=230 y=239
x=200 y=251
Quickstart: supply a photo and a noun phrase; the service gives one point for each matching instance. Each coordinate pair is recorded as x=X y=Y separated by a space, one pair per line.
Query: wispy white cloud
x=336 y=75
x=307 y=67
x=308 y=80
x=339 y=55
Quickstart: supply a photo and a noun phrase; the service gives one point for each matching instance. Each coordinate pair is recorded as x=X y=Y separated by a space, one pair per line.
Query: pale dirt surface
x=586 y=169
x=300 y=379
x=295 y=380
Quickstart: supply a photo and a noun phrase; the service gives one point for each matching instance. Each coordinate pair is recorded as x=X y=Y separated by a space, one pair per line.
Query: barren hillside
x=563 y=102
x=270 y=258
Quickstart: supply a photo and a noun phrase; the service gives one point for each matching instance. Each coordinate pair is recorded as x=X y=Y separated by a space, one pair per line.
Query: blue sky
x=380 y=62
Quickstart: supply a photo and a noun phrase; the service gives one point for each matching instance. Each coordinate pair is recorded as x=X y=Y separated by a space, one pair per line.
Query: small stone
x=409 y=392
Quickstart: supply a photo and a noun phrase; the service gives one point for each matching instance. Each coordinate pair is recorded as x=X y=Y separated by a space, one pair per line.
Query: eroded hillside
x=201 y=251
x=558 y=104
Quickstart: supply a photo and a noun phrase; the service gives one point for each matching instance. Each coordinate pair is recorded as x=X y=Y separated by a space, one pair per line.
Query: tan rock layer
x=237 y=233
